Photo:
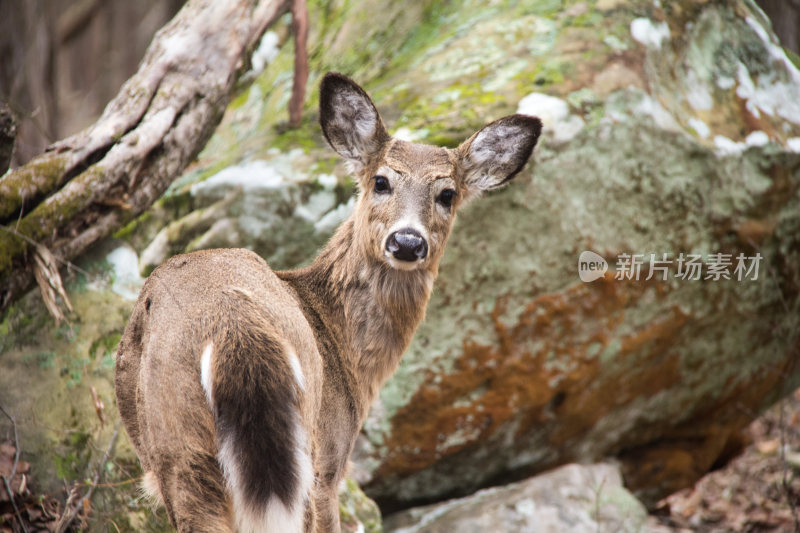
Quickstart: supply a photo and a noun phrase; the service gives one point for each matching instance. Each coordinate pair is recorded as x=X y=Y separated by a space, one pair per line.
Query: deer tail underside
x=254 y=384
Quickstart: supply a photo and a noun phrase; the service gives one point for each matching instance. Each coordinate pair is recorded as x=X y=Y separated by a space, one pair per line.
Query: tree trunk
x=785 y=18
x=86 y=186
x=8 y=132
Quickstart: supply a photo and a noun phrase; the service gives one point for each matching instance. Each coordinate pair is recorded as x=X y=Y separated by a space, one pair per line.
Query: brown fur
x=349 y=317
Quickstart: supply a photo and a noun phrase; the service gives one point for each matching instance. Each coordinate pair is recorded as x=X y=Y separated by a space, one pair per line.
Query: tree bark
x=785 y=18
x=86 y=186
x=300 y=31
x=8 y=132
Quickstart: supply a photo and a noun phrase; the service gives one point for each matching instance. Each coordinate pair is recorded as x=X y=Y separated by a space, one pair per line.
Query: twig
x=13 y=471
x=16 y=441
x=67 y=518
x=597 y=491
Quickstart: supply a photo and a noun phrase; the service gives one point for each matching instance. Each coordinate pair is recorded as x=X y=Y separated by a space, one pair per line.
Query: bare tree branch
x=73 y=507
x=84 y=187
x=8 y=132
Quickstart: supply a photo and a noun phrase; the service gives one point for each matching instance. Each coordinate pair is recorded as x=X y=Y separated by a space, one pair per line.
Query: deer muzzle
x=407 y=245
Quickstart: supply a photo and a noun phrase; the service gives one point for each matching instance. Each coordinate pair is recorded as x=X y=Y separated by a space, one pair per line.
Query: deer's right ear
x=349 y=120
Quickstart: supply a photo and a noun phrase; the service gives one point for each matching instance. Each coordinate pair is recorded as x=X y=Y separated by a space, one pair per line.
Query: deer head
x=409 y=193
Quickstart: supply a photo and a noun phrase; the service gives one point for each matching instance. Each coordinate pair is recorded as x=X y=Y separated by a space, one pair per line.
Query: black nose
x=407 y=245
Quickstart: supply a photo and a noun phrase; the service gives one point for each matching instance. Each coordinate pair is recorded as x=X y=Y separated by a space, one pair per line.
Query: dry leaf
x=99 y=407
x=45 y=270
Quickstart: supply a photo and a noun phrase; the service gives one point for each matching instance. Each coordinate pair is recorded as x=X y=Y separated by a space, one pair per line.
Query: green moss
x=325 y=165
x=24 y=323
x=46 y=171
x=72 y=454
x=300 y=137
x=44 y=359
x=356 y=508
x=590 y=19
x=544 y=8
x=432 y=29
x=550 y=72
x=105 y=345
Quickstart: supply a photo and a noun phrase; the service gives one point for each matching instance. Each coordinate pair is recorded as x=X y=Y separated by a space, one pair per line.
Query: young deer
x=243 y=389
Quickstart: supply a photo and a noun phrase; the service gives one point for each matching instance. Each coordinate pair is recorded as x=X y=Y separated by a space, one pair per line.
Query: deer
x=243 y=389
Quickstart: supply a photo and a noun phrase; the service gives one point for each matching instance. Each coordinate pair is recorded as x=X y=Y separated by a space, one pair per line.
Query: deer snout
x=407 y=245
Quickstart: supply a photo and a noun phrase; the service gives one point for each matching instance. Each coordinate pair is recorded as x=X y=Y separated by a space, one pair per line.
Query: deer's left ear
x=498 y=151
x=349 y=120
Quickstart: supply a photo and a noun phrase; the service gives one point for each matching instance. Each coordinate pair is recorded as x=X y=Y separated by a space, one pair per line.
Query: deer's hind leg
x=194 y=495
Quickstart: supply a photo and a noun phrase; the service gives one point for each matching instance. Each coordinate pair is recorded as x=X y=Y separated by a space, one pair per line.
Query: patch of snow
x=318 y=204
x=127 y=280
x=700 y=127
x=793 y=144
x=335 y=217
x=757 y=138
x=555 y=116
x=726 y=146
x=725 y=82
x=328 y=181
x=649 y=33
x=266 y=52
x=253 y=176
x=250 y=176
x=769 y=95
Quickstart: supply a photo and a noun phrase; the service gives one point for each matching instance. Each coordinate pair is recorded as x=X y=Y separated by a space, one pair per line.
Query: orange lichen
x=518 y=380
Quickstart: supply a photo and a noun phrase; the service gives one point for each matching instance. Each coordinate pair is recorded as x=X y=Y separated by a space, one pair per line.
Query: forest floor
x=758 y=491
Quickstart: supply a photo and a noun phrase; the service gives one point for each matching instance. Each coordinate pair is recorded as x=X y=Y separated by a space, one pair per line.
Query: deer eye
x=381 y=184
x=446 y=197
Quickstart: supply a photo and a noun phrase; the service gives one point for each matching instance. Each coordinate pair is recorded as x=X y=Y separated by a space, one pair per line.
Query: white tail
x=243 y=389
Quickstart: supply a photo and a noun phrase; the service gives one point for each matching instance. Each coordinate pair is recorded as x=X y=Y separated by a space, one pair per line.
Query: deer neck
x=370 y=310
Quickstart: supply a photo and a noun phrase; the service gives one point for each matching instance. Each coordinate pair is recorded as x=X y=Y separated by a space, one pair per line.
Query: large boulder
x=670 y=128
x=667 y=131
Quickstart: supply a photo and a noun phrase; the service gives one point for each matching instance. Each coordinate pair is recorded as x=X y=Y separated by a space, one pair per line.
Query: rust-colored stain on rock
x=519 y=381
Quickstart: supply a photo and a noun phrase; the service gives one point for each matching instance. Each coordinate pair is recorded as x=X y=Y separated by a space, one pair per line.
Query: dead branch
x=8 y=132
x=86 y=186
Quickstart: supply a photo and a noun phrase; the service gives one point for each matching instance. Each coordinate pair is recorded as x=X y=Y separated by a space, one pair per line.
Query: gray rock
x=572 y=498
